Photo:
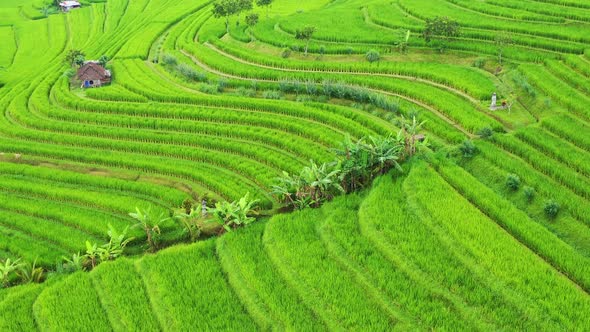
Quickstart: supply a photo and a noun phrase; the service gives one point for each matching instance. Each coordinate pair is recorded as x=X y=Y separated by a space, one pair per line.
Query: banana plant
x=75 y=263
x=409 y=130
x=91 y=256
x=246 y=208
x=116 y=245
x=236 y=213
x=190 y=222
x=8 y=268
x=404 y=40
x=387 y=151
x=31 y=273
x=150 y=224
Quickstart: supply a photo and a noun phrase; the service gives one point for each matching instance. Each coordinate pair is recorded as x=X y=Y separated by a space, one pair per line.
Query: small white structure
x=494 y=105
x=66 y=6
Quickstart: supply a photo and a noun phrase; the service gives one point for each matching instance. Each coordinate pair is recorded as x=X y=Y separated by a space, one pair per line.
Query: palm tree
x=150 y=224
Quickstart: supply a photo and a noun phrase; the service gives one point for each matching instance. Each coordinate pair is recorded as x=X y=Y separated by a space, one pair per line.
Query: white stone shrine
x=494 y=105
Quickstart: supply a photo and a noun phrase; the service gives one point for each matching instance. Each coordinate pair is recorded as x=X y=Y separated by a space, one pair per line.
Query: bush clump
x=211 y=89
x=551 y=208
x=485 y=133
x=191 y=74
x=479 y=63
x=468 y=149
x=245 y=92
x=286 y=53
x=529 y=193
x=169 y=60
x=372 y=56
x=272 y=94
x=513 y=182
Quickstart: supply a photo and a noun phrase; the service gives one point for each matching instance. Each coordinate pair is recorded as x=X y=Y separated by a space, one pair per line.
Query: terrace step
x=294 y=247
x=271 y=302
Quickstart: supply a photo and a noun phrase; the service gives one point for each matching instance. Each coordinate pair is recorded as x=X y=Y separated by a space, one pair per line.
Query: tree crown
x=224 y=8
x=304 y=33
x=441 y=26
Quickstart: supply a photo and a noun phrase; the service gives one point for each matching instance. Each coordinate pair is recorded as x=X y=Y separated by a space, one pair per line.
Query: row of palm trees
x=356 y=164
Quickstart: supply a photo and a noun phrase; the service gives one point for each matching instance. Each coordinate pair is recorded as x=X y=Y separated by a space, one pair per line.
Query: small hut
x=92 y=75
x=66 y=6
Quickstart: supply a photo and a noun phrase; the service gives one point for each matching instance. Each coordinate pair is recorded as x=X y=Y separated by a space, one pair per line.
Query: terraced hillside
x=397 y=257
x=194 y=111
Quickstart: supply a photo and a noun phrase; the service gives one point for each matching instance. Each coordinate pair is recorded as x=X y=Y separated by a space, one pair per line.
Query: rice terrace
x=298 y=165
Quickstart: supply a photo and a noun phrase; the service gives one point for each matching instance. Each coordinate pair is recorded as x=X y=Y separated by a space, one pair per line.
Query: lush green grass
x=194 y=111
x=8 y=46
x=54 y=307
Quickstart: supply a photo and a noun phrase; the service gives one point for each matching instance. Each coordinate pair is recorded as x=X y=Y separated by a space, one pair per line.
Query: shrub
x=468 y=149
x=311 y=88
x=272 y=94
x=372 y=56
x=441 y=29
x=245 y=92
x=349 y=50
x=529 y=193
x=285 y=86
x=322 y=50
x=191 y=74
x=103 y=60
x=285 y=53
x=303 y=98
x=169 y=60
x=551 y=208
x=479 y=63
x=209 y=89
x=485 y=132
x=221 y=85
x=513 y=182
x=252 y=19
